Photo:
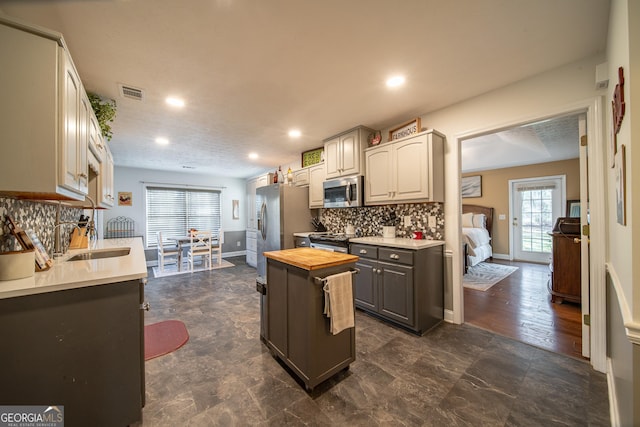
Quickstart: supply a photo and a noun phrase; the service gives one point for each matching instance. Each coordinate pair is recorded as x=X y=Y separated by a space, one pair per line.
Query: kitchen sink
x=100 y=253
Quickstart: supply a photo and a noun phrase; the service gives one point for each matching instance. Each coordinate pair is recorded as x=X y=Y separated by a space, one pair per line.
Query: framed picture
x=125 y=198
x=621 y=187
x=235 y=209
x=472 y=186
x=573 y=208
x=405 y=129
x=312 y=157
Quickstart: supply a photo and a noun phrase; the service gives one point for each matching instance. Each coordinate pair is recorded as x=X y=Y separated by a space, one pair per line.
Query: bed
x=477 y=223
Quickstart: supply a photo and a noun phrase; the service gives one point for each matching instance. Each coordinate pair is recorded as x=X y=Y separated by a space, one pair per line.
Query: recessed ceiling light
x=175 y=102
x=162 y=141
x=253 y=155
x=295 y=133
x=395 y=81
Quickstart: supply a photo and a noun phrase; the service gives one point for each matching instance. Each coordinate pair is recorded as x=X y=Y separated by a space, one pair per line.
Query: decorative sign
x=621 y=187
x=618 y=102
x=312 y=157
x=617 y=114
x=405 y=129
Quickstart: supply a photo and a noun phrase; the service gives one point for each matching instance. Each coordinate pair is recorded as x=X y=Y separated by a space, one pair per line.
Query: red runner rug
x=164 y=337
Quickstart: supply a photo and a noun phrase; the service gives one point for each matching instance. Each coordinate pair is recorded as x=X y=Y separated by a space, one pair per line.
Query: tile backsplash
x=37 y=216
x=368 y=221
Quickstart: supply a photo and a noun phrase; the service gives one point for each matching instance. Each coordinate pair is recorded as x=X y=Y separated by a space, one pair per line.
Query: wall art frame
x=471 y=186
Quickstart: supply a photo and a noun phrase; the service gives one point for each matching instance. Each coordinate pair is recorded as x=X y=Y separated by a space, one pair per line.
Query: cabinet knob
x=145 y=306
x=82 y=175
x=379 y=271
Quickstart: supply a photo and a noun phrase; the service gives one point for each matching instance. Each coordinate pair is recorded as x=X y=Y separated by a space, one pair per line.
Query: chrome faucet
x=90 y=230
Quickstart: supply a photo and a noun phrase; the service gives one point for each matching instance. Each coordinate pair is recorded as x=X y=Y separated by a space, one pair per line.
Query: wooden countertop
x=311 y=259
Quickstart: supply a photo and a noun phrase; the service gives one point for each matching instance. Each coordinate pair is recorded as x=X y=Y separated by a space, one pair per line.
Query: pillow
x=467 y=220
x=479 y=221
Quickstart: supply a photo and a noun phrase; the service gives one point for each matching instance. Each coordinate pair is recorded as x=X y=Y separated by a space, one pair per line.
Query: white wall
x=133 y=180
x=539 y=96
x=623 y=50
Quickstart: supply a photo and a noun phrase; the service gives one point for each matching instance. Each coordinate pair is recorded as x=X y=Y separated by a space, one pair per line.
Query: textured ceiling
x=250 y=70
x=540 y=142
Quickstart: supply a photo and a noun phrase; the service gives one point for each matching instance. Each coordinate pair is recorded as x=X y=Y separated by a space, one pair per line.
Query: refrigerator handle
x=263 y=223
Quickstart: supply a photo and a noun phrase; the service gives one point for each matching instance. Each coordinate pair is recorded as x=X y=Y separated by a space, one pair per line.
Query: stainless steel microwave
x=347 y=192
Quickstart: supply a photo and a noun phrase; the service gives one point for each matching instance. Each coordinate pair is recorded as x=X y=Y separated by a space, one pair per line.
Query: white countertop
x=78 y=274
x=397 y=242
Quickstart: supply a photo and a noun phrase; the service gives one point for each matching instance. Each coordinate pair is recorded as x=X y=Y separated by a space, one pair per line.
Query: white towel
x=338 y=302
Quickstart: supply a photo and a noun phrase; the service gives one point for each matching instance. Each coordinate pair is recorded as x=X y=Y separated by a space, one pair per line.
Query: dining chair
x=168 y=254
x=200 y=247
x=216 y=248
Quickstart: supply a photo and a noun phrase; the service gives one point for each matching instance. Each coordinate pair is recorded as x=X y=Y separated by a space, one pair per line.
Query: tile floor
x=454 y=375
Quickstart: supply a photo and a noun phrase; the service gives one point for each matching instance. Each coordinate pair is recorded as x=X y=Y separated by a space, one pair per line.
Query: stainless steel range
x=330 y=242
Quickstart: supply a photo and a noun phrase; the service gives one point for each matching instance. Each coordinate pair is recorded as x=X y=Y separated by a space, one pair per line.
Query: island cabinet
x=402 y=286
x=79 y=348
x=296 y=331
x=408 y=169
x=343 y=152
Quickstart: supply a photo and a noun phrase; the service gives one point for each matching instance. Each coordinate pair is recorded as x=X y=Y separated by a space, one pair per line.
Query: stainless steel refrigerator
x=282 y=210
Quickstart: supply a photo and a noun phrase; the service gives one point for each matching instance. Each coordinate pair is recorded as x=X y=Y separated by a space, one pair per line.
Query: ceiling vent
x=131 y=92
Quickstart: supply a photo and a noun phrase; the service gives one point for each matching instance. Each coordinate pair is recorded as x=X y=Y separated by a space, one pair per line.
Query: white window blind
x=174 y=211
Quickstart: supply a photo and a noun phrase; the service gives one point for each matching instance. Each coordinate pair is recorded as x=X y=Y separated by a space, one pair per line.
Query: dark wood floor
x=519 y=307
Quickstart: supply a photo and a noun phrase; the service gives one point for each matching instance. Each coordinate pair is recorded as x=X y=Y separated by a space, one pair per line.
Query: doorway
x=533 y=201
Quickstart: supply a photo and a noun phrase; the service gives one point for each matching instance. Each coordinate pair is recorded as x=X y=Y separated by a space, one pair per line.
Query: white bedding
x=478 y=244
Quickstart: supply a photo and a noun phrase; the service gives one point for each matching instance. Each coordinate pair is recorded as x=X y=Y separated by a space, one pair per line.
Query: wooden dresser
x=565 y=268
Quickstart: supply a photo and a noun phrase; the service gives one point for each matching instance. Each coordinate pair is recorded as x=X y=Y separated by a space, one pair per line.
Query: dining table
x=184 y=242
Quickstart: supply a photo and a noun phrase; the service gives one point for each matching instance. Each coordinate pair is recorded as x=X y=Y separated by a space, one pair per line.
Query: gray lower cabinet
x=405 y=287
x=81 y=348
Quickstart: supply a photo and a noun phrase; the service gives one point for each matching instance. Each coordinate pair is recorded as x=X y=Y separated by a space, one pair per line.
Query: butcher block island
x=297 y=330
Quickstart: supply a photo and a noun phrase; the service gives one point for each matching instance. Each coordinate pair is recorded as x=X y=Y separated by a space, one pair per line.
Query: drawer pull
x=303 y=243
x=363 y=251
x=394 y=256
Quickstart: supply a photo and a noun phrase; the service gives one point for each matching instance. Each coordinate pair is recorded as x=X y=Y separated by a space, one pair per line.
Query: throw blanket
x=338 y=302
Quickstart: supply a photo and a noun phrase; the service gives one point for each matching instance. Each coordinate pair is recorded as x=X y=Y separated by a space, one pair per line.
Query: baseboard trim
x=154 y=262
x=448 y=316
x=502 y=256
x=614 y=415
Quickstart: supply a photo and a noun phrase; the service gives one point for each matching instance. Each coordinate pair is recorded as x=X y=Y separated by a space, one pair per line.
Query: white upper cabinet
x=44 y=116
x=108 y=197
x=316 y=190
x=251 y=202
x=408 y=169
x=343 y=153
x=301 y=177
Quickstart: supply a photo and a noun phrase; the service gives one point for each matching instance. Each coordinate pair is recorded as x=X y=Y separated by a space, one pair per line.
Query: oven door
x=343 y=193
x=329 y=247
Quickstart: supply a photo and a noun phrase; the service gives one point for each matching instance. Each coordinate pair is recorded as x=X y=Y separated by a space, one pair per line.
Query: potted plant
x=105 y=111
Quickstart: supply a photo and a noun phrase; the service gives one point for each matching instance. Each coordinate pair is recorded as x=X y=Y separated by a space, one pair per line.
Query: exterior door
x=536 y=204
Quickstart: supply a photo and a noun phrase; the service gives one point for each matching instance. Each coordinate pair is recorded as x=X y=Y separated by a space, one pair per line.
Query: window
x=173 y=211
